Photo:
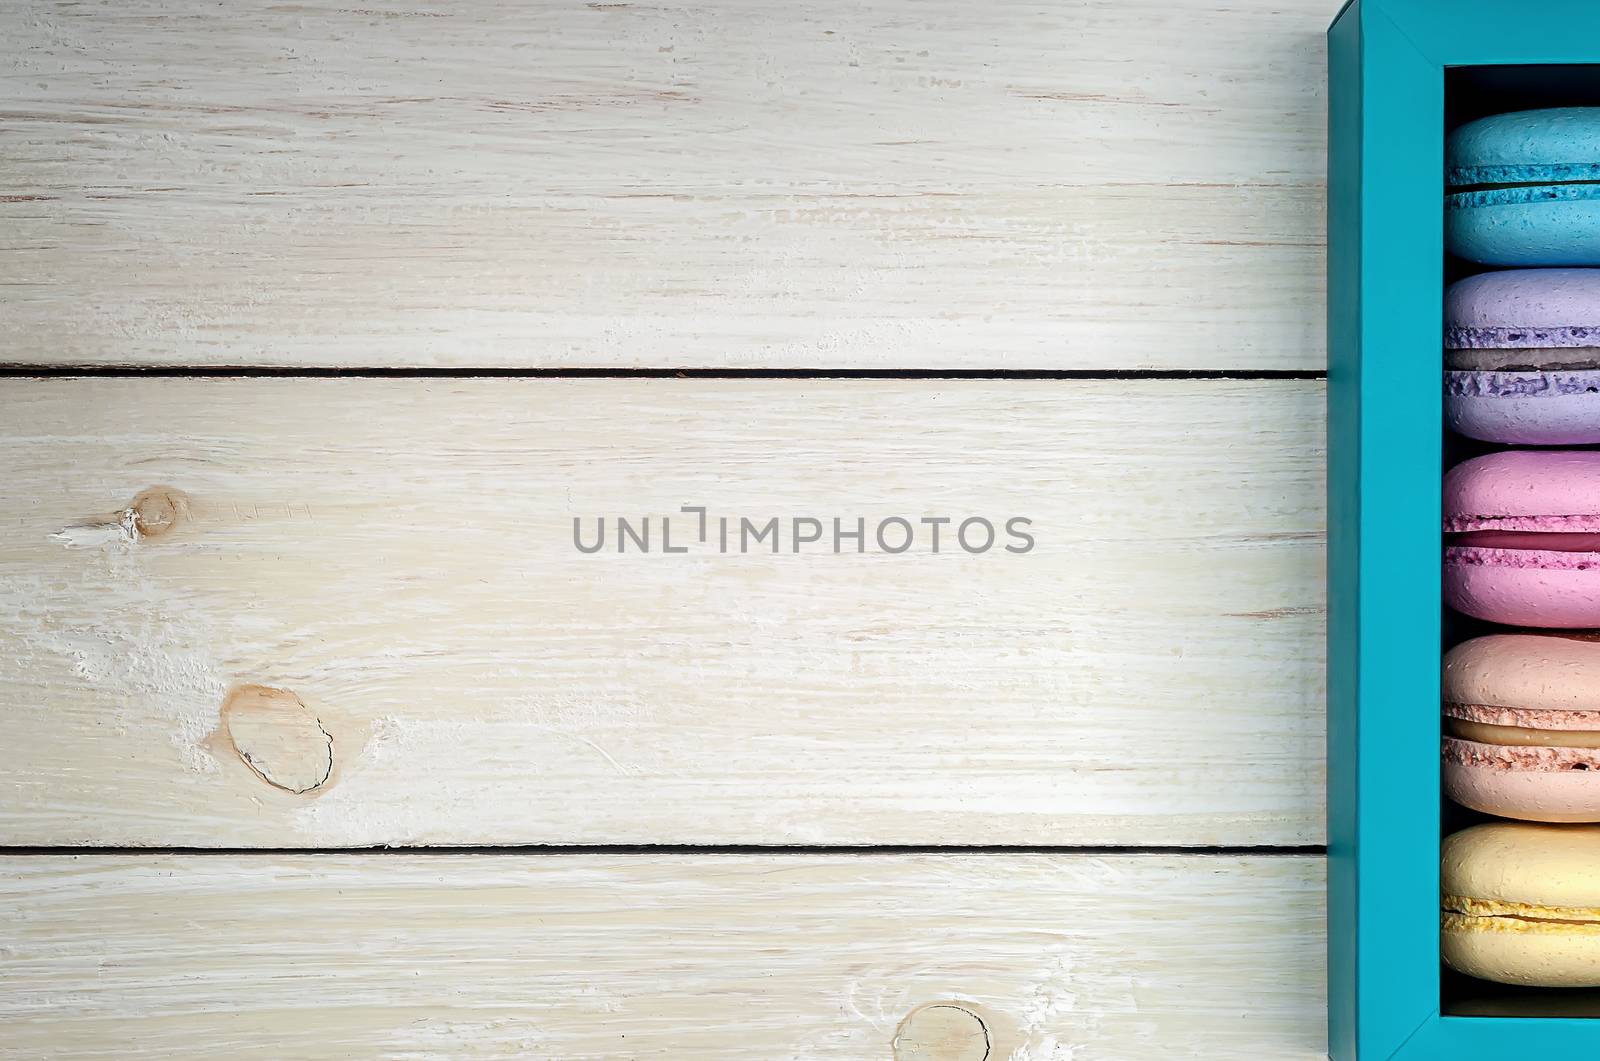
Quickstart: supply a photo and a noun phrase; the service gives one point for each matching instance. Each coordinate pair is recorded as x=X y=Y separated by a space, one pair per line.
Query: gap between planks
x=43 y=371
x=1133 y=850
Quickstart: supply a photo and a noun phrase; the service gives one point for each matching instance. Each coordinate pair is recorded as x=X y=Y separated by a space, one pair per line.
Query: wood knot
x=942 y=1031
x=157 y=511
x=278 y=737
x=153 y=513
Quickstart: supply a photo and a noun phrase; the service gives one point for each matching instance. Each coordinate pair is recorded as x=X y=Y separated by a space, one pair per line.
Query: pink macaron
x=1522 y=726
x=1523 y=545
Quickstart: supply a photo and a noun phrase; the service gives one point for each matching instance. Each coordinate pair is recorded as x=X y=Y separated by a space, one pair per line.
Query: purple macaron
x=1522 y=357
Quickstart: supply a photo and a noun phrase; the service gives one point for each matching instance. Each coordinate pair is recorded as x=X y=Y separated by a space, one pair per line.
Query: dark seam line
x=683 y=849
x=273 y=372
x=1467 y=189
x=1430 y=1018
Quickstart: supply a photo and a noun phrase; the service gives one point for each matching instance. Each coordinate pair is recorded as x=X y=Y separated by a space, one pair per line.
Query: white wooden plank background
x=710 y=957
x=938 y=183
x=397 y=554
x=1074 y=184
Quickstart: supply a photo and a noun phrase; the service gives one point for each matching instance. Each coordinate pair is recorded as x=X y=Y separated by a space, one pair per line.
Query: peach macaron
x=1522 y=726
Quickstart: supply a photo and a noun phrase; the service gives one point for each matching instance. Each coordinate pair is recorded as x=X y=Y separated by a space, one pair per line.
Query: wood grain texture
x=206 y=585
x=797 y=957
x=915 y=183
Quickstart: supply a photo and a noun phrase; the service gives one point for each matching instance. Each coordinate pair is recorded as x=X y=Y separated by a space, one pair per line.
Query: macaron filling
x=1494 y=738
x=1516 y=174
x=1581 y=542
x=1524 y=541
x=1522 y=194
x=1461 y=912
x=1476 y=348
x=1484 y=363
x=1512 y=727
x=1521 y=736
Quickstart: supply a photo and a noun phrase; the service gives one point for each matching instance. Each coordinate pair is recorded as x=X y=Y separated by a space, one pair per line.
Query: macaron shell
x=1524 y=587
x=1535 y=954
x=1524 y=862
x=1544 y=309
x=1524 y=490
x=1524 y=680
x=1561 y=226
x=1557 y=408
x=1529 y=783
x=1556 y=143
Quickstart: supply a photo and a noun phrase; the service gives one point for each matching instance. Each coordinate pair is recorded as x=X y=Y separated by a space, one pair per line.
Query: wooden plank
x=329 y=612
x=1019 y=184
x=710 y=957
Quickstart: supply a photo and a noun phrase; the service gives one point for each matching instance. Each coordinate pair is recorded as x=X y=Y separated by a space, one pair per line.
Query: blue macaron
x=1524 y=188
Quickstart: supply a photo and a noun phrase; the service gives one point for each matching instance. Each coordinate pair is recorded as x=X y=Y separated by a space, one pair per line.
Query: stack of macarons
x=1521 y=707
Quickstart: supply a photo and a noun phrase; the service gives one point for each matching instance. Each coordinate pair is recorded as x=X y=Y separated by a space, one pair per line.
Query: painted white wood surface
x=377 y=577
x=917 y=183
x=794 y=956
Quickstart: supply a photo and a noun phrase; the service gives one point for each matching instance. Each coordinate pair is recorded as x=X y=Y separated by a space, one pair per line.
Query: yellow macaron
x=1520 y=903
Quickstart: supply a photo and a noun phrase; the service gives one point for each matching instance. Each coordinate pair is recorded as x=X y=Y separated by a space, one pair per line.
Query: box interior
x=1474 y=92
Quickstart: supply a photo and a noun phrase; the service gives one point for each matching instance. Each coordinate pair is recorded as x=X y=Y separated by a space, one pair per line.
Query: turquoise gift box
x=1401 y=72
